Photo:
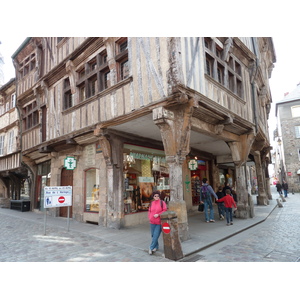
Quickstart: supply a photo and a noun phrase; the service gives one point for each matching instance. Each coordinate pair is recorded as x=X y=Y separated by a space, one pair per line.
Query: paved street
x=22 y=240
x=275 y=240
x=272 y=235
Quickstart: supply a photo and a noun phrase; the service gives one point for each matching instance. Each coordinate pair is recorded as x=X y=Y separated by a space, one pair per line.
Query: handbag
x=201 y=207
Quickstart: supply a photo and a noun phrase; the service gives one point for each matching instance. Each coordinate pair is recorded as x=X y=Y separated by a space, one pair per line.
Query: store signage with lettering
x=144 y=156
x=57 y=196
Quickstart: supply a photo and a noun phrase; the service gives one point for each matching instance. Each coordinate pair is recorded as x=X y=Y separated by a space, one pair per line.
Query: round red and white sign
x=61 y=199
x=166 y=228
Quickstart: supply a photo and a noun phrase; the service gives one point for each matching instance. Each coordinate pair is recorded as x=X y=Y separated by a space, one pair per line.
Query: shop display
x=144 y=172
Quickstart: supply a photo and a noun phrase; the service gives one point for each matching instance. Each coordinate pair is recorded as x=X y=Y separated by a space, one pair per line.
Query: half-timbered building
x=13 y=176
x=137 y=114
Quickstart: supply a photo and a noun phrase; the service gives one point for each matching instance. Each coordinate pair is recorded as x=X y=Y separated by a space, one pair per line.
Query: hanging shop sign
x=70 y=163
x=57 y=196
x=193 y=165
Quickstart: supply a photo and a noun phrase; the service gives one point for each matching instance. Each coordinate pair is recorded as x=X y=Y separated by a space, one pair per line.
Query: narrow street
x=274 y=240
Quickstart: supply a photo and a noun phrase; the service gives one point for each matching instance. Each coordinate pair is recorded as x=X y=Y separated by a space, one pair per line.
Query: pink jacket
x=155 y=208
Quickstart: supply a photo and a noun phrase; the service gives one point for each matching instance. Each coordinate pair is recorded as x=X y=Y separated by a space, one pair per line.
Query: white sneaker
x=154 y=250
x=150 y=251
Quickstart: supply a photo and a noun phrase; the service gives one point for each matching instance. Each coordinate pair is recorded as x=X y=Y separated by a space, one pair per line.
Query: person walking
x=156 y=208
x=205 y=197
x=285 y=188
x=279 y=188
x=221 y=207
x=228 y=202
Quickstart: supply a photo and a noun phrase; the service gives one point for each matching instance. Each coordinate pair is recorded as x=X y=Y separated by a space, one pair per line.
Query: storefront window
x=25 y=188
x=145 y=170
x=196 y=179
x=92 y=192
x=43 y=179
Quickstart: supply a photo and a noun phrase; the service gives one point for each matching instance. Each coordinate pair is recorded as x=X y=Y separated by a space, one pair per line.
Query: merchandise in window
x=145 y=170
x=92 y=191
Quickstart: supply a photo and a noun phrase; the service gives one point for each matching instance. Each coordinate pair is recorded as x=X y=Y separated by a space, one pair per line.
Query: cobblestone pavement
x=23 y=241
x=275 y=240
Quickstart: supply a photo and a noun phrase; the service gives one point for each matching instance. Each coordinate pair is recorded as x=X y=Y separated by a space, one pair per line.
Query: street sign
x=70 y=163
x=57 y=196
x=166 y=228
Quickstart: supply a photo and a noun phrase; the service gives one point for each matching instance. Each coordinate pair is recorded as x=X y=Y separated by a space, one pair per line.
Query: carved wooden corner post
x=240 y=151
x=112 y=149
x=175 y=127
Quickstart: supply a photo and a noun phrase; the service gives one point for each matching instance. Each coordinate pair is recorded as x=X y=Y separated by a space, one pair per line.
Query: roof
x=289 y=97
x=294 y=95
x=25 y=42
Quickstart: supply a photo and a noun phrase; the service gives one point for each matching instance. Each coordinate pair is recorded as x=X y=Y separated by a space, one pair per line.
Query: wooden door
x=66 y=179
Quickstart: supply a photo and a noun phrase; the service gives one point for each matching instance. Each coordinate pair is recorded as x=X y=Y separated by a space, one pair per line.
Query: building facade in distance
x=287 y=151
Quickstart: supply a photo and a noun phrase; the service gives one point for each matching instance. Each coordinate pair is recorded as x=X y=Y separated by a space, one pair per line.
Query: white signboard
x=57 y=196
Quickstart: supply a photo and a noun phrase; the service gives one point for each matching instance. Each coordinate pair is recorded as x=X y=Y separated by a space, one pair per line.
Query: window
x=295 y=111
x=92 y=192
x=13 y=100
x=297 y=132
x=27 y=65
x=11 y=142
x=30 y=116
x=1 y=144
x=68 y=96
x=92 y=86
x=122 y=59
x=220 y=71
x=229 y=74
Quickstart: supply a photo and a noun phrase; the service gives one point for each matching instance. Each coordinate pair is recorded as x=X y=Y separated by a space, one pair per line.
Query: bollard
x=172 y=245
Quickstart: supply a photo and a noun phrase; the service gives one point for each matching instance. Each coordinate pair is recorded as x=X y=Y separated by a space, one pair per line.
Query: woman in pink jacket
x=156 y=208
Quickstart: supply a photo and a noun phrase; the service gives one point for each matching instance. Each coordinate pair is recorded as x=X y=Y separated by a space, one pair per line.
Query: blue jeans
x=155 y=233
x=208 y=204
x=221 y=209
x=285 y=193
x=228 y=211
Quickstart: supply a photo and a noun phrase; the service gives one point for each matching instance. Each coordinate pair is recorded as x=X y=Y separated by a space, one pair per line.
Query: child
x=228 y=202
x=221 y=207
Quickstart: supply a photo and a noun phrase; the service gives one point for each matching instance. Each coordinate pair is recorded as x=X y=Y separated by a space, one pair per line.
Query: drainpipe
x=254 y=105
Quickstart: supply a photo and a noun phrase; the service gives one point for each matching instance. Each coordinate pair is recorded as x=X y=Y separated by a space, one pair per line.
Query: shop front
x=43 y=179
x=145 y=170
x=198 y=169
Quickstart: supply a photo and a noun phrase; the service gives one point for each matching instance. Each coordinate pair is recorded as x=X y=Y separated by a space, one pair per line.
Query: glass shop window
x=92 y=192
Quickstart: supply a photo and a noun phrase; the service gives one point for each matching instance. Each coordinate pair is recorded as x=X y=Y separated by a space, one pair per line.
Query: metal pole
x=68 y=217
x=45 y=219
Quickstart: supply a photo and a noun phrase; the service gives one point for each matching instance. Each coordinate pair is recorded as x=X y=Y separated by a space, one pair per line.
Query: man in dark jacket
x=279 y=188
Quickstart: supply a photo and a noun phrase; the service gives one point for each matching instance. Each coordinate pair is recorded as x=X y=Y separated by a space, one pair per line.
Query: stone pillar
x=262 y=198
x=242 y=192
x=240 y=151
x=172 y=245
x=115 y=181
x=175 y=128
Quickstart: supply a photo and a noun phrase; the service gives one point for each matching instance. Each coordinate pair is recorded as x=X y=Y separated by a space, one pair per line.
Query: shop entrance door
x=66 y=179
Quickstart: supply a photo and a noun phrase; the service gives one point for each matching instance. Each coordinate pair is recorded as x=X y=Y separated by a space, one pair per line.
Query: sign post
x=57 y=196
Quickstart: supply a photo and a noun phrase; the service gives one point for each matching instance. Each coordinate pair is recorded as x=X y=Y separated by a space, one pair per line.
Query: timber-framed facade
x=134 y=112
